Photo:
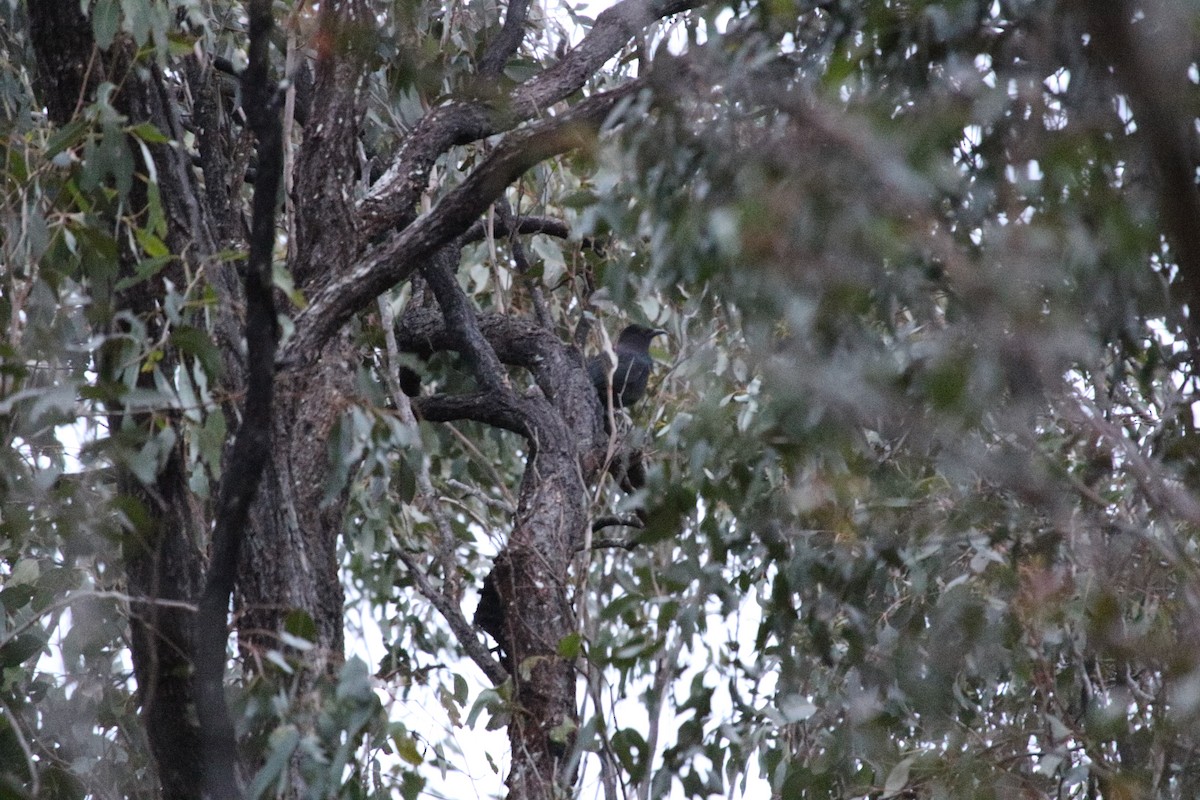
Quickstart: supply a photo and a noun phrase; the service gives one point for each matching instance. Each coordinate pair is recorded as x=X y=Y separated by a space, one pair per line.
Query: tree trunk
x=531 y=577
x=167 y=525
x=292 y=563
x=564 y=428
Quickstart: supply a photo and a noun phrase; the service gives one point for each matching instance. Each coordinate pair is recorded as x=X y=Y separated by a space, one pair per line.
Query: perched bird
x=633 y=367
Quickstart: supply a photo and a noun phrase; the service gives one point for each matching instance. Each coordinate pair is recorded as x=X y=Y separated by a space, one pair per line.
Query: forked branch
x=395 y=259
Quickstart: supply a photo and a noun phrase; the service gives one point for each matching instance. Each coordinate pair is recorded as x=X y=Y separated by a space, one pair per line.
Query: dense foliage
x=920 y=511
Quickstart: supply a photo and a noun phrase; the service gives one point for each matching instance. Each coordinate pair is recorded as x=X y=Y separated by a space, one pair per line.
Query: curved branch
x=394 y=196
x=482 y=407
x=395 y=259
x=516 y=341
x=613 y=521
x=461 y=322
x=556 y=367
x=505 y=45
x=521 y=226
x=463 y=630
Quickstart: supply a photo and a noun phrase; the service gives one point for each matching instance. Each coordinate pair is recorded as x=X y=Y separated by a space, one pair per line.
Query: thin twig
x=492 y=502
x=35 y=780
x=463 y=630
x=446 y=541
x=521 y=260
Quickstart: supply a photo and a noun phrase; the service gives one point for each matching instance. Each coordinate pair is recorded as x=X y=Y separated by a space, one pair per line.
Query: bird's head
x=638 y=336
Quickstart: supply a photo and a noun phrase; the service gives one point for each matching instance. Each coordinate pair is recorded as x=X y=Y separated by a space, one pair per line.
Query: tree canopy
x=305 y=484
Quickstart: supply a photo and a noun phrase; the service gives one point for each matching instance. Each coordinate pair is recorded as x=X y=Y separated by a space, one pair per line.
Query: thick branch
x=484 y=407
x=252 y=444
x=395 y=259
x=394 y=196
x=461 y=323
x=556 y=367
x=515 y=340
x=505 y=45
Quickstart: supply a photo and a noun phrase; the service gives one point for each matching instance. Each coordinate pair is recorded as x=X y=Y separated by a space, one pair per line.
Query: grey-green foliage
x=923 y=420
x=953 y=470
x=923 y=409
x=65 y=720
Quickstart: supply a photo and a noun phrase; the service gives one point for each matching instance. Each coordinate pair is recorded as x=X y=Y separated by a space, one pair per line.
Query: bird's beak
x=657 y=332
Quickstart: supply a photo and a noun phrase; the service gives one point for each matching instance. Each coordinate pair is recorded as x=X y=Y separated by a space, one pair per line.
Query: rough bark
x=1149 y=47
x=293 y=515
x=344 y=256
x=392 y=201
x=563 y=425
x=163 y=562
x=531 y=578
x=396 y=258
x=67 y=73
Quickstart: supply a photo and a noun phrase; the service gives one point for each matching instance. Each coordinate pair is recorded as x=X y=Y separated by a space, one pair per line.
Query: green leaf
x=282 y=743
x=138 y=20
x=461 y=692
x=106 y=22
x=24 y=572
x=796 y=708
x=148 y=132
x=406 y=748
x=354 y=682
x=411 y=786
x=897 y=778
x=562 y=732
x=15 y=597
x=68 y=136
x=494 y=701
x=23 y=647
x=570 y=646
x=198 y=343
x=154 y=246
x=212 y=440
x=143 y=271
x=631 y=751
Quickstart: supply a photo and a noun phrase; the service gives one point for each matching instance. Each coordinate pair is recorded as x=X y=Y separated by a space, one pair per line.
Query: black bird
x=633 y=367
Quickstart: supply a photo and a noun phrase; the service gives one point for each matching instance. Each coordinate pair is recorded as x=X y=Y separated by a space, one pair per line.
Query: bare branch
x=251 y=446
x=527 y=226
x=491 y=502
x=394 y=196
x=396 y=258
x=461 y=323
x=485 y=407
x=463 y=630
x=505 y=45
x=550 y=226
x=600 y=523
